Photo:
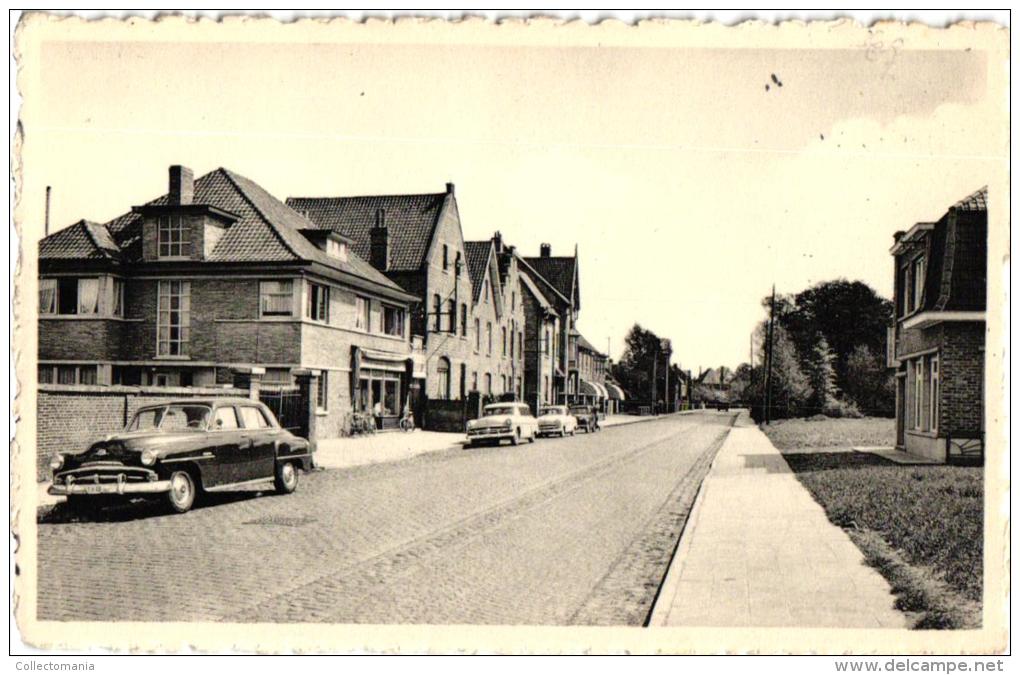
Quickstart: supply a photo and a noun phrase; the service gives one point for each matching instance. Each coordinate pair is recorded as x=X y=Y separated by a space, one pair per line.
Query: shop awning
x=593 y=389
x=615 y=392
x=377 y=359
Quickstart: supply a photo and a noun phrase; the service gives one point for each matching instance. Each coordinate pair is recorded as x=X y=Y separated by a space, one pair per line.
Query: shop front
x=382 y=385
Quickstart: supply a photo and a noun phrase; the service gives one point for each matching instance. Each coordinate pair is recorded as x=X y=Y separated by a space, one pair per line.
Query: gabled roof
x=716 y=376
x=977 y=201
x=266 y=229
x=477 y=254
x=533 y=289
x=410 y=219
x=84 y=240
x=561 y=273
x=583 y=343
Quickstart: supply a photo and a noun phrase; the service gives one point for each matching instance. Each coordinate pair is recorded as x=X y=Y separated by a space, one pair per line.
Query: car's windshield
x=175 y=417
x=554 y=410
x=500 y=410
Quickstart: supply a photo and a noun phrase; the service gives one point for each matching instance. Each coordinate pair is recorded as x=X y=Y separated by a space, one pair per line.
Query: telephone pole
x=768 y=356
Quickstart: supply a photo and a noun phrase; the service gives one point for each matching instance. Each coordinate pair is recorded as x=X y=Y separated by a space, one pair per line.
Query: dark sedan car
x=178 y=449
x=587 y=417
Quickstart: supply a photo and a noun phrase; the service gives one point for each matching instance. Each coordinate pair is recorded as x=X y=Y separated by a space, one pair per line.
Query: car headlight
x=56 y=461
x=509 y=423
x=148 y=457
x=470 y=424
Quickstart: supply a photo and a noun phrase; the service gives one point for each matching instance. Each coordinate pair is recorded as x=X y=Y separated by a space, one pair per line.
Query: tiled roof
x=559 y=272
x=267 y=230
x=410 y=219
x=715 y=376
x=977 y=201
x=84 y=240
x=584 y=344
x=477 y=254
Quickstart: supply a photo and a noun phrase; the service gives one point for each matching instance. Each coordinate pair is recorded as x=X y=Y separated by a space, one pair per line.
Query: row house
x=557 y=279
x=542 y=369
x=937 y=340
x=591 y=372
x=218 y=276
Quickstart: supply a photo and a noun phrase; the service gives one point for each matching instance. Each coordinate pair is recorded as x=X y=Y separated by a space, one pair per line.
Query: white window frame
x=918 y=393
x=917 y=273
x=178 y=247
x=933 y=392
x=399 y=313
x=184 y=312
x=323 y=303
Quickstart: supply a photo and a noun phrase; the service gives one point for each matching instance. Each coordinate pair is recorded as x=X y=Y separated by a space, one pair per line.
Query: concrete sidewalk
x=759 y=551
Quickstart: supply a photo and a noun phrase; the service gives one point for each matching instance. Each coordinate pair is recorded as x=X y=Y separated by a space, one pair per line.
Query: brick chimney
x=182 y=185
x=450 y=188
x=546 y=250
x=379 y=251
x=497 y=240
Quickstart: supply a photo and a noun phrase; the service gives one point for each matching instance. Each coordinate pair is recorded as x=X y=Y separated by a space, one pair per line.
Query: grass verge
x=919 y=526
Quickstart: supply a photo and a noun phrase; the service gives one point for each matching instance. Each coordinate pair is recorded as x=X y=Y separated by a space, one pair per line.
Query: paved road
x=563 y=531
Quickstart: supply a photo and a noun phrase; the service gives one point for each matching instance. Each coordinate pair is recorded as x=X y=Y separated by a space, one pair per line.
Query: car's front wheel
x=181 y=496
x=286 y=479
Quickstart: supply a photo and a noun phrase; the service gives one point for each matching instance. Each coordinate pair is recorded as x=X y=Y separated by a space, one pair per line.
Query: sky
x=688 y=187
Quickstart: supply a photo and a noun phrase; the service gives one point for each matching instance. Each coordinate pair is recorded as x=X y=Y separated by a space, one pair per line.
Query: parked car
x=587 y=417
x=556 y=420
x=499 y=421
x=179 y=449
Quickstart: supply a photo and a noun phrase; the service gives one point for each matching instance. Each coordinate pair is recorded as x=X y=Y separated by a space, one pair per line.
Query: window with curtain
x=118 y=297
x=47 y=296
x=918 y=276
x=933 y=394
x=88 y=296
x=362 y=311
x=322 y=391
x=276 y=297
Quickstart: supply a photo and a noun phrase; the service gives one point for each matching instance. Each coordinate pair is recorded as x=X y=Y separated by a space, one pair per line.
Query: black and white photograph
x=529 y=336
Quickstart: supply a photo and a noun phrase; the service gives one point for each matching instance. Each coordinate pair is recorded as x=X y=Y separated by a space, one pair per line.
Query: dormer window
x=173 y=237
x=918 y=280
x=336 y=249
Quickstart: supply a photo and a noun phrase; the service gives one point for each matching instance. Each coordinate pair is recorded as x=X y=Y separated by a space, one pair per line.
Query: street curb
x=667 y=592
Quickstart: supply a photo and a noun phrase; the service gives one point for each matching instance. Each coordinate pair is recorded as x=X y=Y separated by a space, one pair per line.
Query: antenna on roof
x=46 y=220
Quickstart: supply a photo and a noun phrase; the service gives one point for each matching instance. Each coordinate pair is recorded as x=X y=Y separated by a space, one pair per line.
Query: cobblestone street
x=566 y=531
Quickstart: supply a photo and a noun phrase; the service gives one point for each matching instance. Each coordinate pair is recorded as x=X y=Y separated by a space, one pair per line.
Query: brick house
x=416 y=240
x=591 y=373
x=938 y=336
x=498 y=320
x=541 y=328
x=557 y=277
x=218 y=276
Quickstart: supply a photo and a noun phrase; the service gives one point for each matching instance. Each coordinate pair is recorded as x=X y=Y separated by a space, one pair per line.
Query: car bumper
x=124 y=488
x=551 y=430
x=489 y=434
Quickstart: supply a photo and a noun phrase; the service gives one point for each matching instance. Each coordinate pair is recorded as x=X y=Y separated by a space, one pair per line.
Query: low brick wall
x=71 y=417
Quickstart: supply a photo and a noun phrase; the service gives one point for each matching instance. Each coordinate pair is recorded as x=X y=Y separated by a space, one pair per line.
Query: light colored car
x=556 y=420
x=503 y=421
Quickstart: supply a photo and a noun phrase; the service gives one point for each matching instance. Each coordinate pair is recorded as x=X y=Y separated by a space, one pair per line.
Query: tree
x=790 y=387
x=821 y=375
x=634 y=371
x=869 y=383
x=845 y=313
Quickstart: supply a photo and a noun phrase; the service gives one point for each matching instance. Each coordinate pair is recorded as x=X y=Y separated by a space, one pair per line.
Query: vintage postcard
x=531 y=336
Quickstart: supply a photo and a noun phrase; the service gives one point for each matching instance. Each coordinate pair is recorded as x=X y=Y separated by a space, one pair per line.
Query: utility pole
x=768 y=356
x=655 y=376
